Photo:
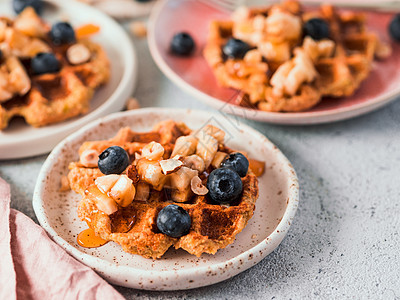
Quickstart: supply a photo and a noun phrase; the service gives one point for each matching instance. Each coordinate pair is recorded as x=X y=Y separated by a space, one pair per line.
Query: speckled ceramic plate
x=21 y=140
x=275 y=208
x=195 y=76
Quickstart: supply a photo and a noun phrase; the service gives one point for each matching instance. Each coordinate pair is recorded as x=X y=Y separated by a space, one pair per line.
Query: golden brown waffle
x=338 y=72
x=213 y=226
x=342 y=74
x=57 y=96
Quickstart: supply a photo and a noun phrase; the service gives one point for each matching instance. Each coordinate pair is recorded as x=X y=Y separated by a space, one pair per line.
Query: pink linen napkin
x=32 y=266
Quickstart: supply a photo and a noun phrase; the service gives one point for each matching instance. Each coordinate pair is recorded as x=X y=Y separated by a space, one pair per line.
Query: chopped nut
x=132 y=104
x=197 y=186
x=194 y=162
x=215 y=132
x=180 y=179
x=64 y=184
x=23 y=45
x=279 y=52
x=282 y=26
x=18 y=79
x=181 y=196
x=253 y=56
x=292 y=74
x=151 y=172
x=318 y=49
x=153 y=151
x=383 y=50
x=29 y=23
x=142 y=192
x=138 y=29
x=89 y=158
x=78 y=54
x=171 y=165
x=178 y=157
x=103 y=202
x=123 y=191
x=206 y=148
x=185 y=145
x=105 y=183
x=218 y=159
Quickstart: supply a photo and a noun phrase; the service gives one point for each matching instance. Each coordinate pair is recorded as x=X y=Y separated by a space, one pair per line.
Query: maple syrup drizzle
x=123 y=220
x=88 y=239
x=258 y=167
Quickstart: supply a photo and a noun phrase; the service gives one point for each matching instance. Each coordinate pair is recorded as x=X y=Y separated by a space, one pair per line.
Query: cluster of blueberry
x=183 y=44
x=61 y=33
x=224 y=185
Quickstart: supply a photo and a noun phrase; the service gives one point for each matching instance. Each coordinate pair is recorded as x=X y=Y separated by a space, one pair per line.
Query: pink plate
x=194 y=75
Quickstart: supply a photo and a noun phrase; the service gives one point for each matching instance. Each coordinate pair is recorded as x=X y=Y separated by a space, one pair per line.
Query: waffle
x=342 y=74
x=52 y=97
x=213 y=226
x=339 y=64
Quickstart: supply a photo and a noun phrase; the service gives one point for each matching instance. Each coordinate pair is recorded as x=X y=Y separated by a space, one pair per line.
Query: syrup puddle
x=89 y=239
x=258 y=167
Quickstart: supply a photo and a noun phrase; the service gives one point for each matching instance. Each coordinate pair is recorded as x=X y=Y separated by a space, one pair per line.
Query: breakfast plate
x=21 y=140
x=194 y=75
x=177 y=269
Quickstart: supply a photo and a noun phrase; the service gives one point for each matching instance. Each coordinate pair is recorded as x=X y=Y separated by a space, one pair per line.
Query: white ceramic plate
x=275 y=208
x=193 y=74
x=124 y=9
x=21 y=140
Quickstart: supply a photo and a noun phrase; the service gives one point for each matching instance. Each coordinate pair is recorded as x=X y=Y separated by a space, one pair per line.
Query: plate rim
x=259 y=250
x=125 y=87
x=299 y=118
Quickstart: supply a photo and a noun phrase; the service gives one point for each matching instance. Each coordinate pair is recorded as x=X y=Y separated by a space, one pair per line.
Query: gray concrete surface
x=345 y=240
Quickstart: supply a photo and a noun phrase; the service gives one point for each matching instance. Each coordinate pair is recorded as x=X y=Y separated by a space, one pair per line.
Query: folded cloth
x=32 y=266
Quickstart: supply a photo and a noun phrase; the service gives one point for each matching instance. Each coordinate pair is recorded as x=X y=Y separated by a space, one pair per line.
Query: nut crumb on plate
x=64 y=184
x=132 y=104
x=138 y=28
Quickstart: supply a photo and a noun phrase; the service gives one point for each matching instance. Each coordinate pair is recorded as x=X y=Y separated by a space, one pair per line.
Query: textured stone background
x=345 y=240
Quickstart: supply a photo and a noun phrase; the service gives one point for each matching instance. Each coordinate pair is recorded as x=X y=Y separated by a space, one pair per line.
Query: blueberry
x=113 y=160
x=173 y=221
x=236 y=49
x=224 y=186
x=394 y=27
x=316 y=28
x=45 y=63
x=20 y=5
x=237 y=162
x=182 y=44
x=62 y=33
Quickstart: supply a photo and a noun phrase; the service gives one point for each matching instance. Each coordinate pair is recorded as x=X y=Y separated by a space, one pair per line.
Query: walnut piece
x=171 y=165
x=78 y=54
x=123 y=191
x=89 y=158
x=153 y=151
